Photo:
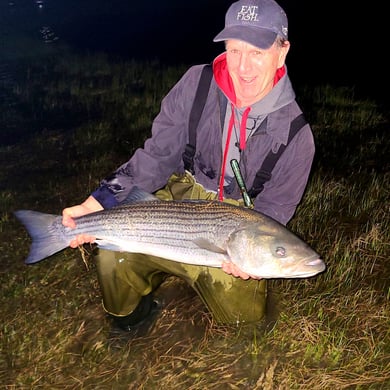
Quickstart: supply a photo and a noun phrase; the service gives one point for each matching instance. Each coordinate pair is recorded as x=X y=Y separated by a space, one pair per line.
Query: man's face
x=252 y=69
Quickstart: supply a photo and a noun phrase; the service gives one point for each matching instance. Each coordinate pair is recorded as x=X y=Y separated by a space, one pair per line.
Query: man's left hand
x=232 y=269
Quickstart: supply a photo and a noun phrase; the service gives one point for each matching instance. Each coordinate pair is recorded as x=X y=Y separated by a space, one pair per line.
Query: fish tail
x=46 y=239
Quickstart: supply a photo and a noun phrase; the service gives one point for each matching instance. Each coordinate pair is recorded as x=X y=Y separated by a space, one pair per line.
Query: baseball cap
x=257 y=22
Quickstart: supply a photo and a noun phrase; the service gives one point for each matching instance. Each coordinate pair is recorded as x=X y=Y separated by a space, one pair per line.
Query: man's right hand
x=90 y=205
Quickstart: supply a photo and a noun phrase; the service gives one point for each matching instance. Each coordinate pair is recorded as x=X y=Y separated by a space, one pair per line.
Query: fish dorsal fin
x=206 y=244
x=137 y=195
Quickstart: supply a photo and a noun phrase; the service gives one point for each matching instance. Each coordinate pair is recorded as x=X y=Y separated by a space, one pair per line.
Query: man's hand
x=232 y=269
x=90 y=205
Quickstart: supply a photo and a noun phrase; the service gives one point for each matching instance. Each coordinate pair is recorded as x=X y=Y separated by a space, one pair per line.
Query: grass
x=78 y=118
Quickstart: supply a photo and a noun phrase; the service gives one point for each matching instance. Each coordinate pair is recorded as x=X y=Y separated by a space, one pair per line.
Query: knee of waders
x=232 y=300
x=105 y=259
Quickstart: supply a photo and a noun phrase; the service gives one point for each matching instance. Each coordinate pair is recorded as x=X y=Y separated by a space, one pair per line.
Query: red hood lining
x=225 y=82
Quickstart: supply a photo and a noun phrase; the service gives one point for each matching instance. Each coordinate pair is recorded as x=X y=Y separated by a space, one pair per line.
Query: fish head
x=272 y=251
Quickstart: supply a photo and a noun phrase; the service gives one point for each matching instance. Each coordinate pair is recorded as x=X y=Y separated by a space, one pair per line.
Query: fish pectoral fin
x=110 y=246
x=206 y=244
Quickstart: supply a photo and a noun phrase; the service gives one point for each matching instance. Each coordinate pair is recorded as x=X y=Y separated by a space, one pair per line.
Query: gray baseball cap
x=257 y=22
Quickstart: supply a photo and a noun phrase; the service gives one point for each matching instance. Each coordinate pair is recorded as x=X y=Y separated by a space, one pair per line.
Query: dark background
x=337 y=42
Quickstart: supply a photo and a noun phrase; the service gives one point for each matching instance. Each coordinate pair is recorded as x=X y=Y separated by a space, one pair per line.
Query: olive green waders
x=125 y=277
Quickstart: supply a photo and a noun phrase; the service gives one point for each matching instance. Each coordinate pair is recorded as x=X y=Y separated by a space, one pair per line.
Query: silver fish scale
x=154 y=222
x=194 y=232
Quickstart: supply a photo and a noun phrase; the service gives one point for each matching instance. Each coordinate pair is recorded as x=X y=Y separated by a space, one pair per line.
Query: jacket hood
x=222 y=77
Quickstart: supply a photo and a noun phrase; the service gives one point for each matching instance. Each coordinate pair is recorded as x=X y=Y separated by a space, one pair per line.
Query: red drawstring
x=225 y=153
x=226 y=150
x=243 y=128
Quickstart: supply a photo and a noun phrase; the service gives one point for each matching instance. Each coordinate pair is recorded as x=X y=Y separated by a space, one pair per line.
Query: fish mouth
x=311 y=267
x=306 y=268
x=316 y=262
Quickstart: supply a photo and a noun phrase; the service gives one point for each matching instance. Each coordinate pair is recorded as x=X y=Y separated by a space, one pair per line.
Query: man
x=248 y=112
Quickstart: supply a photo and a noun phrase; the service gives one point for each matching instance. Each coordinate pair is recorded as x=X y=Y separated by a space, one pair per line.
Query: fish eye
x=280 y=251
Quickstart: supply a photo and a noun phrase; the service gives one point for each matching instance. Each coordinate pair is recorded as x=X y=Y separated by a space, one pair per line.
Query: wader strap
x=264 y=173
x=196 y=112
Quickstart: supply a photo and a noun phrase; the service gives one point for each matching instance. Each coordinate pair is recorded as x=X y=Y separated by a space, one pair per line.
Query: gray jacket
x=151 y=166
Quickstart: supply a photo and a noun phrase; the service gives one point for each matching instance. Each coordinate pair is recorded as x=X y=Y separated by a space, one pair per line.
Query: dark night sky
x=332 y=41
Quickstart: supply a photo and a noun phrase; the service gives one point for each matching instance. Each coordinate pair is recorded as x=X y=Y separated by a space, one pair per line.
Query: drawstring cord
x=225 y=153
x=226 y=150
x=243 y=128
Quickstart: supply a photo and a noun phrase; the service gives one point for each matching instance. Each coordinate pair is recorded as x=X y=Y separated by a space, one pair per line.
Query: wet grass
x=78 y=119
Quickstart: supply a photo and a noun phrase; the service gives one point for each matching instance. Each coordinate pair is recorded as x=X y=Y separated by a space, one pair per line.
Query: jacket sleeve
x=283 y=192
x=150 y=166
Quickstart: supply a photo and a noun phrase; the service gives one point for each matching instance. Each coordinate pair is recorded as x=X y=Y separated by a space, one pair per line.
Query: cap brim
x=259 y=37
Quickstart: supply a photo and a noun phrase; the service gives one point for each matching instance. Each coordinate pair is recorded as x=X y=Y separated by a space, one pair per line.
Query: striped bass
x=197 y=232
